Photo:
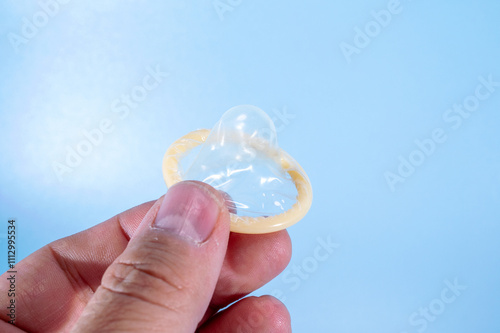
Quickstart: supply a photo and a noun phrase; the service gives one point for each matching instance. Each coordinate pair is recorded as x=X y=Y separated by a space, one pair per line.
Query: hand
x=171 y=272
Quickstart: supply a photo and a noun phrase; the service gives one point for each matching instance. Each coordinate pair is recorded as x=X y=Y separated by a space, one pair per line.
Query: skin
x=125 y=275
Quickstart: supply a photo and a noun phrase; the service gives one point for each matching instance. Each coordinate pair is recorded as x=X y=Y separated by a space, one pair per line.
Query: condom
x=240 y=156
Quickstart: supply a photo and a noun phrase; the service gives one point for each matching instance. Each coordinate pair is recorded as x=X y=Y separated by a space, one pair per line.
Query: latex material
x=241 y=157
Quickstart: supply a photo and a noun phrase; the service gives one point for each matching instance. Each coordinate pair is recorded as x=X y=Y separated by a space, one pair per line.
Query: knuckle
x=152 y=278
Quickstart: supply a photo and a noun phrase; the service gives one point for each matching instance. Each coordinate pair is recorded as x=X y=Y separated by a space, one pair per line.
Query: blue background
x=350 y=119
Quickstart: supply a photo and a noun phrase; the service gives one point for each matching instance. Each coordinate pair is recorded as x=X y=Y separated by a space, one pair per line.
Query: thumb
x=165 y=278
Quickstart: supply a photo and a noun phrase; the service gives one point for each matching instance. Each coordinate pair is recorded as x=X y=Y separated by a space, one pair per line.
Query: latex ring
x=245 y=224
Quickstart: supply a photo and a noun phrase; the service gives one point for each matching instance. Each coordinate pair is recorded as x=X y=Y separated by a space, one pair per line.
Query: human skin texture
x=164 y=266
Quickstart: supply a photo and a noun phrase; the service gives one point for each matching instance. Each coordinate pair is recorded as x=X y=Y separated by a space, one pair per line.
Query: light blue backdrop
x=358 y=89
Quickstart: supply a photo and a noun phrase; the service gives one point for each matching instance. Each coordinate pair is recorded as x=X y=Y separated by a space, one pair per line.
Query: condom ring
x=245 y=224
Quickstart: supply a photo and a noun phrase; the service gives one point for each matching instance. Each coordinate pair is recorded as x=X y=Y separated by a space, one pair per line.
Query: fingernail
x=188 y=210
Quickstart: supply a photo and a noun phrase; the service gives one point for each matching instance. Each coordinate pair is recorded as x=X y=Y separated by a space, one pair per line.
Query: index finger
x=59 y=279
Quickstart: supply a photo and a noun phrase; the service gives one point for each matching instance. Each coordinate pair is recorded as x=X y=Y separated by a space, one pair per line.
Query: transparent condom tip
x=241 y=157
